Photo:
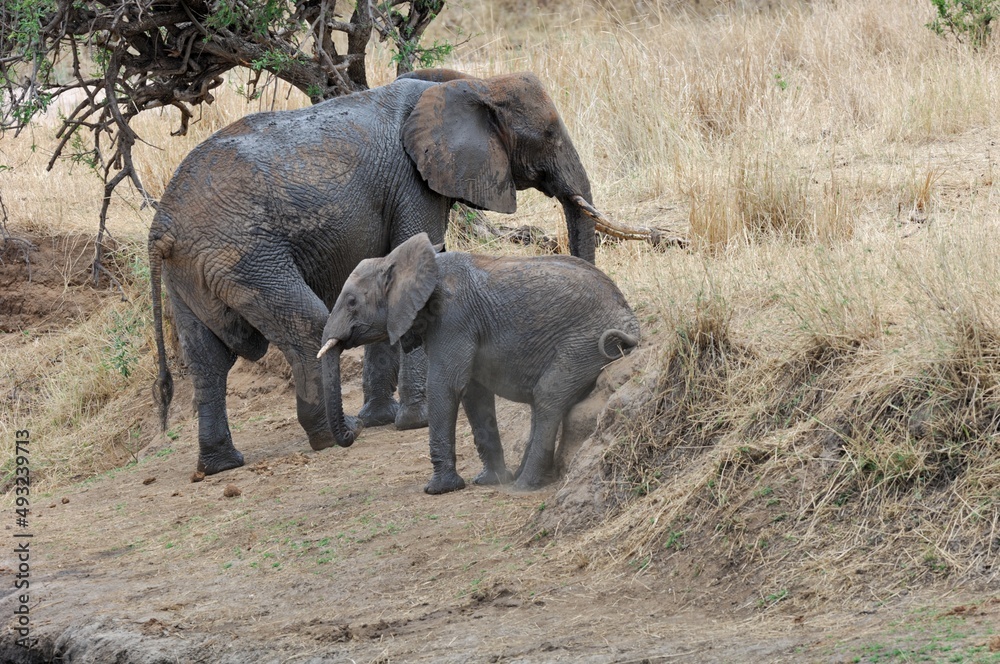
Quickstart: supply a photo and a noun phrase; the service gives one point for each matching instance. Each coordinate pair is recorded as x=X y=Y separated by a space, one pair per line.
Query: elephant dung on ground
x=531 y=330
x=262 y=223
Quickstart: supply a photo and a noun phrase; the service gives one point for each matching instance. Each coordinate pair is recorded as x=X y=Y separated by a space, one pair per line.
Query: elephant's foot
x=378 y=412
x=216 y=462
x=324 y=439
x=532 y=481
x=444 y=483
x=412 y=416
x=321 y=441
x=490 y=477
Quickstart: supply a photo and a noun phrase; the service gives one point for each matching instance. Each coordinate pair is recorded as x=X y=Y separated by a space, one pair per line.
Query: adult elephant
x=262 y=223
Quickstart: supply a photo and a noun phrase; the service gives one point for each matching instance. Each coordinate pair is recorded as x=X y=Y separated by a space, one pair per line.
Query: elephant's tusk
x=327 y=346
x=608 y=227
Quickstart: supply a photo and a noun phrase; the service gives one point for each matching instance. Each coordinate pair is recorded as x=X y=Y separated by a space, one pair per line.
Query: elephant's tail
x=623 y=345
x=163 y=388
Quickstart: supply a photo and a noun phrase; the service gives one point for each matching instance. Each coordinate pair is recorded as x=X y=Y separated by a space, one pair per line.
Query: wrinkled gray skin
x=263 y=222
x=531 y=330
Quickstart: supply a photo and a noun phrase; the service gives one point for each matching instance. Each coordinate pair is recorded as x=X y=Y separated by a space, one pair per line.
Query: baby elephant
x=532 y=330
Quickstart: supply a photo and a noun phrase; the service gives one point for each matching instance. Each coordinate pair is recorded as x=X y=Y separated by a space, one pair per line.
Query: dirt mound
x=582 y=499
x=339 y=555
x=45 y=282
x=795 y=482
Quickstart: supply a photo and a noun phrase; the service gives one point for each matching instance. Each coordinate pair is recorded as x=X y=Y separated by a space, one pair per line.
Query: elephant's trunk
x=580 y=227
x=342 y=433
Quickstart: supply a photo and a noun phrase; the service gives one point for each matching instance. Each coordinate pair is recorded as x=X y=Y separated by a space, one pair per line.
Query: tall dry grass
x=830 y=341
x=815 y=409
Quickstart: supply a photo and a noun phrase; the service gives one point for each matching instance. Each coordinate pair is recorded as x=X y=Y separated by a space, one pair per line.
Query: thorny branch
x=131 y=56
x=405 y=31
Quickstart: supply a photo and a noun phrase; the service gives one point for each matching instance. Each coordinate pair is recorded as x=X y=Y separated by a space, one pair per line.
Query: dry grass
x=825 y=420
x=827 y=396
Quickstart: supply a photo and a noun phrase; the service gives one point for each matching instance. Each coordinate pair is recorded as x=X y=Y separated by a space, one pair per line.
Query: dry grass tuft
x=760 y=198
x=694 y=370
x=844 y=457
x=832 y=472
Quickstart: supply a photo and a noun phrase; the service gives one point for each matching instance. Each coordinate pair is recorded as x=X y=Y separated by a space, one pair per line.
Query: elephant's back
x=562 y=295
x=538 y=320
x=282 y=176
x=325 y=143
x=275 y=136
x=556 y=278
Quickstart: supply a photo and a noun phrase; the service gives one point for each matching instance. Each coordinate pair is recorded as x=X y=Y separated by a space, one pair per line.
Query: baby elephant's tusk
x=327 y=346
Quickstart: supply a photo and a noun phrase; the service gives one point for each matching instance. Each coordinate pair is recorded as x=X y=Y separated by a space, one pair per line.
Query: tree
x=130 y=56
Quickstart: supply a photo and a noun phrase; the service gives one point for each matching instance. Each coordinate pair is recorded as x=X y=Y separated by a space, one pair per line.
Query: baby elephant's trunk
x=342 y=432
x=621 y=344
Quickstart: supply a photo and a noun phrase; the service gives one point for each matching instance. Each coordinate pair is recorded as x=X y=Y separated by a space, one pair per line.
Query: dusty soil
x=40 y=281
x=340 y=556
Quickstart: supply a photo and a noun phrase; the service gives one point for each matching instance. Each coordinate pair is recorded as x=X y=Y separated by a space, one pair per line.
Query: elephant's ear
x=411 y=276
x=453 y=140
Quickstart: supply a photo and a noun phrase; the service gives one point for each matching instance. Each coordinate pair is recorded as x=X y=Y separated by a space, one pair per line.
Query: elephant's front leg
x=412 y=390
x=442 y=404
x=291 y=315
x=480 y=407
x=209 y=361
x=378 y=380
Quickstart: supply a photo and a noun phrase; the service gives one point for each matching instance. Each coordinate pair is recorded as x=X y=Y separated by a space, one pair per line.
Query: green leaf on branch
x=273 y=61
x=968 y=21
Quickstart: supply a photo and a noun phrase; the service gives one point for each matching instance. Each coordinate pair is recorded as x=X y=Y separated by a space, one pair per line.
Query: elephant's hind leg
x=566 y=381
x=538 y=462
x=209 y=361
x=480 y=407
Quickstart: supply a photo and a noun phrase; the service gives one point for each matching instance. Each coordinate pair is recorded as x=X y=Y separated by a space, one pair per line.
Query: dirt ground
x=42 y=279
x=339 y=556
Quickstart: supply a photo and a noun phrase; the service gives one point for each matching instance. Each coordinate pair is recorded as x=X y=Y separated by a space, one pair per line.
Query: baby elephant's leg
x=566 y=381
x=480 y=407
x=443 y=396
x=538 y=462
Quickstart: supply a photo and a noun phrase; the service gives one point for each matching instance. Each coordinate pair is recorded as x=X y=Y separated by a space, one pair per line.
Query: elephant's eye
x=352 y=301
